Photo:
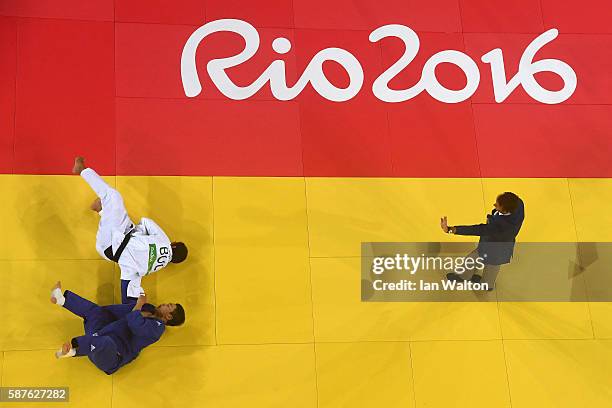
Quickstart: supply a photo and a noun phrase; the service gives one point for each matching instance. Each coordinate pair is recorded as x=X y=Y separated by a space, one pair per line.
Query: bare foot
x=58 y=285
x=64 y=350
x=96 y=205
x=79 y=165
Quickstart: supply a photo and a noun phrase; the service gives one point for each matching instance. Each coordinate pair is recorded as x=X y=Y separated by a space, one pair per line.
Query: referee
x=497 y=238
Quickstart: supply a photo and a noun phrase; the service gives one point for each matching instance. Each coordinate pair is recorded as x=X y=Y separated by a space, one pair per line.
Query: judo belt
x=115 y=257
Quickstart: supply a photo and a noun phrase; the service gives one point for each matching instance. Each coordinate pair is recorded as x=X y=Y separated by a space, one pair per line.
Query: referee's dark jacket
x=497 y=236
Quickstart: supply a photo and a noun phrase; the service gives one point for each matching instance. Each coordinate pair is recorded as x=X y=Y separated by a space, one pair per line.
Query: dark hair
x=178 y=316
x=508 y=201
x=179 y=252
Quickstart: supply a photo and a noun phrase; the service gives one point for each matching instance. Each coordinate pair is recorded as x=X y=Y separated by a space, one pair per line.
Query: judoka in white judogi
x=147 y=249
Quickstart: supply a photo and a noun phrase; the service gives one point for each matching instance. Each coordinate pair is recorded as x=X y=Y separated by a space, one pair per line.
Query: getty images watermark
x=413 y=264
x=472 y=272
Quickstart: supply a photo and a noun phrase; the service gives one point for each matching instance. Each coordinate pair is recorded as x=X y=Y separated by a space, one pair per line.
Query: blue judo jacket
x=497 y=236
x=120 y=340
x=133 y=333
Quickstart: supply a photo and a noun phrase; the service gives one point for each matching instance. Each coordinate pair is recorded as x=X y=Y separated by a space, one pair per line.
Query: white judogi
x=148 y=250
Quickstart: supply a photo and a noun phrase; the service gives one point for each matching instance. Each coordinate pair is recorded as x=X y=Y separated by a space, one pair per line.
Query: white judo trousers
x=113 y=217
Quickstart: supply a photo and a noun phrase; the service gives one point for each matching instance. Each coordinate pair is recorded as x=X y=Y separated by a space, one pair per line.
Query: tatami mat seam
x=214 y=265
x=571 y=200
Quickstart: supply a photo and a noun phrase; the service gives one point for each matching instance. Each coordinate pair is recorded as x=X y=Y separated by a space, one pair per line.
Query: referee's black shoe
x=454 y=277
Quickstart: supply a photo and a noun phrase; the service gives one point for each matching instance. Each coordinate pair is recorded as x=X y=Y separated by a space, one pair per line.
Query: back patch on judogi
x=152 y=256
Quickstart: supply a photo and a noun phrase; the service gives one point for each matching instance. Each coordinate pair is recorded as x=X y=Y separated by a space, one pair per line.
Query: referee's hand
x=444 y=224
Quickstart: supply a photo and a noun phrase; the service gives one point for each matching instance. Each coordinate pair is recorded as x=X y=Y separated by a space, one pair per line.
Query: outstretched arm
x=490 y=228
x=476 y=230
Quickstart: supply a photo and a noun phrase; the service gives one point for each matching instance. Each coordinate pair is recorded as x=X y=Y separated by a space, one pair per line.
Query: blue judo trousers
x=124 y=297
x=114 y=334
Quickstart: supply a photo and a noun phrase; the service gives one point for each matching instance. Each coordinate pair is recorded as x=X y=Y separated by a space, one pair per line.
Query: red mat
x=89 y=78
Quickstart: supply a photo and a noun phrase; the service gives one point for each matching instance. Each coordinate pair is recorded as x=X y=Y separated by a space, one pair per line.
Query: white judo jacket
x=148 y=251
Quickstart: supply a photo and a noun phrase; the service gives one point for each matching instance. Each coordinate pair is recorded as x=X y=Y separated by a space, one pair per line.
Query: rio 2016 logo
x=313 y=74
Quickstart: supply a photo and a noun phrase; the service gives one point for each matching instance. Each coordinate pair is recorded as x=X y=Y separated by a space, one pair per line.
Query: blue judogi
x=114 y=334
x=125 y=299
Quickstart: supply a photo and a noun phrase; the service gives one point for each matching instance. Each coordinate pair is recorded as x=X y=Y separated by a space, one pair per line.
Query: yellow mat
x=272 y=296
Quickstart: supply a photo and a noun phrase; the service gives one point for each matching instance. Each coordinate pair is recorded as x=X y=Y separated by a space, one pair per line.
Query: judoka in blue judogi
x=115 y=334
